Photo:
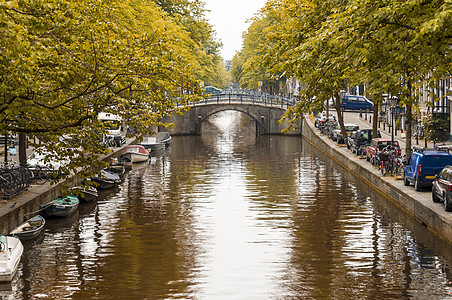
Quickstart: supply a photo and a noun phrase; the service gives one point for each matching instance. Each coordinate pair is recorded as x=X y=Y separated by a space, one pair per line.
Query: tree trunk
x=340 y=116
x=22 y=149
x=375 y=120
x=409 y=119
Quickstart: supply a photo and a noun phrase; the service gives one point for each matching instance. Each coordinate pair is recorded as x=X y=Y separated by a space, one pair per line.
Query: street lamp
x=392 y=104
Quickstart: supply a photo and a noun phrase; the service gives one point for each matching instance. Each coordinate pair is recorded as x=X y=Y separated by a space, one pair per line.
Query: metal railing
x=246 y=97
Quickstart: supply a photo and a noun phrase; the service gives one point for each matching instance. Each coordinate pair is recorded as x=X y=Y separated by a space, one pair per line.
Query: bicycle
x=108 y=141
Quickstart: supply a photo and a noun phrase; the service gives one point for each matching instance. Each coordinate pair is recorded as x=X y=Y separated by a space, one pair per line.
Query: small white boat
x=151 y=142
x=30 y=229
x=163 y=137
x=11 y=250
x=135 y=153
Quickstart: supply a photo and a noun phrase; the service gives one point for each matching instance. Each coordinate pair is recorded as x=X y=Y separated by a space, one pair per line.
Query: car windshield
x=351 y=128
x=383 y=144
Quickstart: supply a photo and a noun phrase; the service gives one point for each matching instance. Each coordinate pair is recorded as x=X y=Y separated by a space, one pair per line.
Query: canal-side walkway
x=17 y=209
x=419 y=205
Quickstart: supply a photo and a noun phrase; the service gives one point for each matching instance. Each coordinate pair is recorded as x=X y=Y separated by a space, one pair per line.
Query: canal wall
x=418 y=205
x=28 y=203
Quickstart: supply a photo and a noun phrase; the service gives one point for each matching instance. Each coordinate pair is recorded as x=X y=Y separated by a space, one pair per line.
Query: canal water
x=227 y=215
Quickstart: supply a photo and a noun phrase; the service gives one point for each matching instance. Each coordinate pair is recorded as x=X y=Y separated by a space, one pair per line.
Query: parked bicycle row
x=424 y=168
x=15 y=179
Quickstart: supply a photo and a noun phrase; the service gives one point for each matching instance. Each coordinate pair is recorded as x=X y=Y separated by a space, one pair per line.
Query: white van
x=114 y=126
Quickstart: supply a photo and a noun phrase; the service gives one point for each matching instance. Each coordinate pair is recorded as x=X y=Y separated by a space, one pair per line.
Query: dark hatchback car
x=442 y=188
x=423 y=165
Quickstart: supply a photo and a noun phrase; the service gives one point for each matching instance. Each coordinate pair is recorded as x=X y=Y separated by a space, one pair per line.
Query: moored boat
x=86 y=194
x=30 y=229
x=152 y=143
x=163 y=137
x=11 y=250
x=106 y=180
x=117 y=166
x=61 y=206
x=135 y=153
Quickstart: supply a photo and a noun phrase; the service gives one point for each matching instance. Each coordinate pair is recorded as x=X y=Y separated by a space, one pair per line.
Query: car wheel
x=417 y=186
x=434 y=196
x=406 y=182
x=447 y=204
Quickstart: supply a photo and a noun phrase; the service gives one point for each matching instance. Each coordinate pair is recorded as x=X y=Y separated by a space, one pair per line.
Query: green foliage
x=246 y=70
x=64 y=62
x=391 y=46
x=190 y=15
x=436 y=129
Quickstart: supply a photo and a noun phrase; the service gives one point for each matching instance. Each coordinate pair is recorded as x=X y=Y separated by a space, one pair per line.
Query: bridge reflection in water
x=215 y=218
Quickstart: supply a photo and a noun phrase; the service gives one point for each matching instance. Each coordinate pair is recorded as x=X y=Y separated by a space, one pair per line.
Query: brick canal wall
x=417 y=205
x=21 y=207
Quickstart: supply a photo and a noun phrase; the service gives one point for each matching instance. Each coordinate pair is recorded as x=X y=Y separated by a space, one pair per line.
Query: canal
x=227 y=215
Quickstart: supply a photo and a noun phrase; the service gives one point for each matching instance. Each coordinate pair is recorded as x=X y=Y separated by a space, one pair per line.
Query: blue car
x=423 y=165
x=355 y=102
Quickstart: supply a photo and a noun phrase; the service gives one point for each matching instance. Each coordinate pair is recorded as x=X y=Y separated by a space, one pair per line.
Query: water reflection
x=222 y=216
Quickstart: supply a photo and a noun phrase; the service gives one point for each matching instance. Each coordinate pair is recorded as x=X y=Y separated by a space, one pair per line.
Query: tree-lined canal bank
x=224 y=216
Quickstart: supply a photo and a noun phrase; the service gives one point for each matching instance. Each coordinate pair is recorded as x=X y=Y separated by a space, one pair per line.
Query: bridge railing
x=247 y=97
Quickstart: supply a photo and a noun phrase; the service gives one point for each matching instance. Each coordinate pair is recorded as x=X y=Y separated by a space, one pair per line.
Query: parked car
x=356 y=102
x=423 y=165
x=361 y=138
x=442 y=188
x=337 y=133
x=377 y=144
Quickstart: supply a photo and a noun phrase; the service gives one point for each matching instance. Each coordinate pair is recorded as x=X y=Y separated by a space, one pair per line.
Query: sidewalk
x=417 y=204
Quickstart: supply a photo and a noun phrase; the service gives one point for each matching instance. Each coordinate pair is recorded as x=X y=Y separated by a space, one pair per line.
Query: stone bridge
x=265 y=110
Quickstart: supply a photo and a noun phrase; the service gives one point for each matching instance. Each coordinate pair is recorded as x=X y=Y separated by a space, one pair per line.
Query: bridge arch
x=267 y=112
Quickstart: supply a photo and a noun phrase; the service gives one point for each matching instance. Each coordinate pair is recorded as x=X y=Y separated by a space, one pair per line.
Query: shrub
x=436 y=129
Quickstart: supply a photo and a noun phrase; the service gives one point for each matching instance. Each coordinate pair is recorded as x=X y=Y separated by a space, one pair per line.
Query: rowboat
x=136 y=153
x=86 y=194
x=106 y=180
x=163 y=137
x=151 y=142
x=30 y=229
x=11 y=250
x=61 y=206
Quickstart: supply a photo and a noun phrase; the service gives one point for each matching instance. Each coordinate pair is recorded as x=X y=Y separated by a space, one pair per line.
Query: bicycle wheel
x=8 y=184
x=40 y=176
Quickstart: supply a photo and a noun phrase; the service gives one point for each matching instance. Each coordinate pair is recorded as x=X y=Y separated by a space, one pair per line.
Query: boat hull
x=106 y=180
x=57 y=210
x=135 y=157
x=10 y=258
x=154 y=147
x=62 y=207
x=86 y=195
x=30 y=229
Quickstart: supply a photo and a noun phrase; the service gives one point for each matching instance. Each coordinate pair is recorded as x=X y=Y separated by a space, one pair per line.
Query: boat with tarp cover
x=61 y=206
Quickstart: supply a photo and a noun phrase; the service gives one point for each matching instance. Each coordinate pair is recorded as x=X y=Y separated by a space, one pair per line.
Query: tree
x=190 y=14
x=64 y=62
x=246 y=71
